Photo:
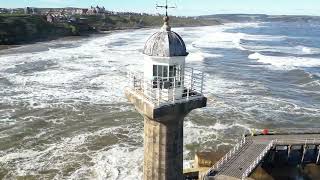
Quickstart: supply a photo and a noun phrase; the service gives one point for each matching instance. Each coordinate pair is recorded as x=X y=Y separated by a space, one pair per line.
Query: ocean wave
x=75 y=151
x=312 y=84
x=81 y=73
x=286 y=63
x=228 y=40
x=209 y=133
x=119 y=162
x=200 y=56
x=297 y=50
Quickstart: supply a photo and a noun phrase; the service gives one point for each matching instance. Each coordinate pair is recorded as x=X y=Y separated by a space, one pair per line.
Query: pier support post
x=318 y=157
x=273 y=154
x=289 y=151
x=303 y=152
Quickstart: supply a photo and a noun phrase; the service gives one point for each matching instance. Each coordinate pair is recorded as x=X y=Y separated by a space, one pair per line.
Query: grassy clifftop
x=17 y=29
x=139 y=21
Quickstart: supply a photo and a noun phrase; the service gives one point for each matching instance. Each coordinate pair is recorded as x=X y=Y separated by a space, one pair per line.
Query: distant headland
x=29 y=24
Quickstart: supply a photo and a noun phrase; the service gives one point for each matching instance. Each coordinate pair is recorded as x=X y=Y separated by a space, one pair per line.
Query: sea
x=63 y=113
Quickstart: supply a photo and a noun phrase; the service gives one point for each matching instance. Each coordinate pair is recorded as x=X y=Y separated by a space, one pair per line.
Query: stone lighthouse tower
x=164 y=93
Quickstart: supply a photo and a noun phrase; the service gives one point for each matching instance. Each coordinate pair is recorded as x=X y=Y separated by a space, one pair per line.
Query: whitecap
x=219 y=37
x=200 y=56
x=285 y=63
x=119 y=162
x=297 y=50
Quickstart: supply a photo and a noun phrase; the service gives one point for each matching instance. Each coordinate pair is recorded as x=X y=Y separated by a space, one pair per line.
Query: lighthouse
x=164 y=93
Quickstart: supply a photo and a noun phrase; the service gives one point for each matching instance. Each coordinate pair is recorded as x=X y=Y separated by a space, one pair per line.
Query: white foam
x=75 y=71
x=19 y=155
x=58 y=155
x=297 y=50
x=219 y=126
x=100 y=63
x=312 y=84
x=207 y=133
x=118 y=163
x=200 y=56
x=218 y=37
x=5 y=118
x=288 y=63
x=195 y=133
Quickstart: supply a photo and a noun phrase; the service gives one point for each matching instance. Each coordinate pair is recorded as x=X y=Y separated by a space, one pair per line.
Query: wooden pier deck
x=241 y=161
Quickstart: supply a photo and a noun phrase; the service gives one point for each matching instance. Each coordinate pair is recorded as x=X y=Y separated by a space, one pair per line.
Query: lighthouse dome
x=165 y=43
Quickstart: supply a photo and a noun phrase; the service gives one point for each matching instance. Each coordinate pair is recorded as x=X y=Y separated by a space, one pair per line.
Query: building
x=164 y=94
x=16 y=11
x=3 y=10
x=64 y=11
x=27 y=10
x=92 y=11
x=82 y=11
x=50 y=18
x=31 y=10
x=96 y=10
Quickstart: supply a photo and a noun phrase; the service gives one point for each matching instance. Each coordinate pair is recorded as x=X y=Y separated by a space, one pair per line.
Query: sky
x=185 y=7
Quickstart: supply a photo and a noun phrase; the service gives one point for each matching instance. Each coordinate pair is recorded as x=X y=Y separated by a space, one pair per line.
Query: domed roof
x=165 y=43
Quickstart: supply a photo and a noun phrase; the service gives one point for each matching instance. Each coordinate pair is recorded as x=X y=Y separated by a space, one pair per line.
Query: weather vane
x=166 y=7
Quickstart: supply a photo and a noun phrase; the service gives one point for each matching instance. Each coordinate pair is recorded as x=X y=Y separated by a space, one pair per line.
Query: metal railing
x=166 y=90
x=227 y=156
x=272 y=143
x=258 y=160
x=307 y=141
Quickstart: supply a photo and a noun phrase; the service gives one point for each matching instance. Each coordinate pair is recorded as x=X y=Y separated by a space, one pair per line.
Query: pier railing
x=258 y=160
x=226 y=157
x=167 y=90
x=259 y=146
x=307 y=141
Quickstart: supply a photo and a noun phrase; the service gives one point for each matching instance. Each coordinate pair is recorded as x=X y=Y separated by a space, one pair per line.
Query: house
x=31 y=10
x=96 y=10
x=3 y=11
x=50 y=18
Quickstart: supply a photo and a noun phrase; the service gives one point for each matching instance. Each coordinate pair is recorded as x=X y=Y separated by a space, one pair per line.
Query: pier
x=249 y=152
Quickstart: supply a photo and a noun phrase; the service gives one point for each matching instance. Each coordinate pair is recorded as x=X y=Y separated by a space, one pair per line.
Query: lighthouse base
x=163 y=149
x=163 y=135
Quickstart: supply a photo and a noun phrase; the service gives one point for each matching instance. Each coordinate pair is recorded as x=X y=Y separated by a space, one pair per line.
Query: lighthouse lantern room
x=165 y=79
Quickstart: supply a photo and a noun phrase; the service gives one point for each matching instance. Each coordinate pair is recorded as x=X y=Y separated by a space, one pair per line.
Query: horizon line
x=235 y=13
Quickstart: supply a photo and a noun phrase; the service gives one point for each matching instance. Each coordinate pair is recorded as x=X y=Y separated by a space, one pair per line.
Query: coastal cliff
x=19 y=29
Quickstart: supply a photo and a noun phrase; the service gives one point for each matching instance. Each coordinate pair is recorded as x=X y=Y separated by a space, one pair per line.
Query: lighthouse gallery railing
x=164 y=90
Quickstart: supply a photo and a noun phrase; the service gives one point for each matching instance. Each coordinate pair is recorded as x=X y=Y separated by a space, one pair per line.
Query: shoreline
x=28 y=29
x=4 y=47
x=87 y=35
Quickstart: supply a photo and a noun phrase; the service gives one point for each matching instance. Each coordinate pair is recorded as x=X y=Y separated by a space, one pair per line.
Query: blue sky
x=185 y=7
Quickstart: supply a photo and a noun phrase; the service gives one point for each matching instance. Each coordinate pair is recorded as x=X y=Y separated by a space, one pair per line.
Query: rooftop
x=165 y=43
